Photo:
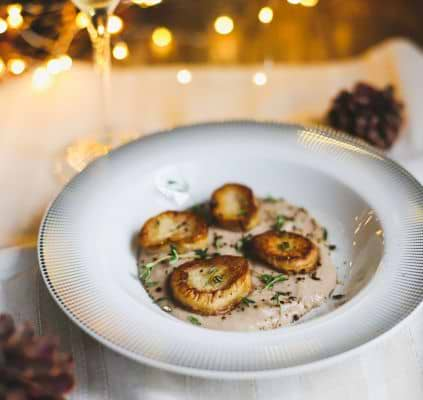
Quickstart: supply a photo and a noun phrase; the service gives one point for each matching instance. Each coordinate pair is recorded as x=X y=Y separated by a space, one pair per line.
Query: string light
x=14 y=18
x=16 y=66
x=162 y=37
x=309 y=3
x=294 y=1
x=41 y=79
x=265 y=15
x=147 y=3
x=82 y=20
x=14 y=9
x=54 y=66
x=260 y=78
x=114 y=24
x=2 y=66
x=65 y=62
x=3 y=25
x=120 y=51
x=184 y=76
x=224 y=25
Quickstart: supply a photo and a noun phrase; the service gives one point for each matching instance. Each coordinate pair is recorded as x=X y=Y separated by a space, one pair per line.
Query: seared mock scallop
x=184 y=230
x=285 y=251
x=212 y=286
x=234 y=207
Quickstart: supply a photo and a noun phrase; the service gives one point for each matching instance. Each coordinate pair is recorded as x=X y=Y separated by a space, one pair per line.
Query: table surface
x=36 y=126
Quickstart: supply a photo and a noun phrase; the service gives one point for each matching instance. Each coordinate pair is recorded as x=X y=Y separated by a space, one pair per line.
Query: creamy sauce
x=285 y=303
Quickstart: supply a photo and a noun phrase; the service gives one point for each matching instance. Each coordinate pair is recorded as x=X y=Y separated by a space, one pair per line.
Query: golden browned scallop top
x=285 y=251
x=182 y=229
x=212 y=286
x=234 y=207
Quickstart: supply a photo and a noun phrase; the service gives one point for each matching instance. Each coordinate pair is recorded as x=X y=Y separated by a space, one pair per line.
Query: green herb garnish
x=145 y=270
x=276 y=299
x=242 y=213
x=280 y=222
x=270 y=199
x=270 y=280
x=325 y=234
x=194 y=320
x=247 y=301
x=217 y=241
x=201 y=253
x=214 y=277
x=284 y=246
x=173 y=255
x=242 y=243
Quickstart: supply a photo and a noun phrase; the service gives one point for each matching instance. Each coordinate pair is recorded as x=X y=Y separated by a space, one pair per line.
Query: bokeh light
x=162 y=37
x=41 y=79
x=114 y=24
x=265 y=15
x=3 y=25
x=82 y=20
x=120 y=51
x=260 y=78
x=184 y=76
x=224 y=25
x=16 y=66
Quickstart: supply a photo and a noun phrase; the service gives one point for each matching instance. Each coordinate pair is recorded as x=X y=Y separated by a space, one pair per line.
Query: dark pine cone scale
x=368 y=113
x=32 y=367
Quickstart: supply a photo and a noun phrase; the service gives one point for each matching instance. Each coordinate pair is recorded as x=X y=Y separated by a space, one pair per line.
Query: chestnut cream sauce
x=285 y=303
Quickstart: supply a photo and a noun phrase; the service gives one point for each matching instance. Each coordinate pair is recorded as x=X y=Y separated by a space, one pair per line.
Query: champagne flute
x=82 y=151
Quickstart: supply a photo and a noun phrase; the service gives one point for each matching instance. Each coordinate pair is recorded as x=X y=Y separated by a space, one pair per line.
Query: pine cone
x=32 y=367
x=368 y=113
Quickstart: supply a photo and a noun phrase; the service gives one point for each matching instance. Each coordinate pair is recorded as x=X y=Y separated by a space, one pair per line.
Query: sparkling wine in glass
x=82 y=151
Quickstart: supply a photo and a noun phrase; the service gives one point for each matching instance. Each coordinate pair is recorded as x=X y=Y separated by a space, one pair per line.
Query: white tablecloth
x=34 y=128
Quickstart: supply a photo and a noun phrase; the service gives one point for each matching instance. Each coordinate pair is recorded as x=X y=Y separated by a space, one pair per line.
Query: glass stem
x=100 y=39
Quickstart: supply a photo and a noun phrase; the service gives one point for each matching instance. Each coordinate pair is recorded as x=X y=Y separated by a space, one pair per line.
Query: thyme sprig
x=270 y=280
x=276 y=298
x=214 y=277
x=145 y=270
x=246 y=301
x=194 y=320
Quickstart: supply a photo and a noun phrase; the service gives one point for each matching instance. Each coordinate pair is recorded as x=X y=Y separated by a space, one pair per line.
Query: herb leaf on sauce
x=246 y=301
x=279 y=223
x=242 y=243
x=201 y=253
x=193 y=320
x=270 y=280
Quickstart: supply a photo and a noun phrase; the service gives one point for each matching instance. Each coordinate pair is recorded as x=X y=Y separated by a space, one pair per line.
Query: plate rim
x=213 y=373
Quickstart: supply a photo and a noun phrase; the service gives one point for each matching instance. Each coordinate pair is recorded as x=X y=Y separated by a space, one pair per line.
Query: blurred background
x=144 y=32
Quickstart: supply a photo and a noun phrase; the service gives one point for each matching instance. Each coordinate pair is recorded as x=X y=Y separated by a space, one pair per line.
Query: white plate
x=373 y=210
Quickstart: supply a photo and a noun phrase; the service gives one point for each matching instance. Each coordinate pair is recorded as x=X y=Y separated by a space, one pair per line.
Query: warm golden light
x=114 y=24
x=162 y=37
x=309 y=3
x=41 y=79
x=147 y=3
x=82 y=20
x=3 y=25
x=184 y=76
x=16 y=66
x=15 y=20
x=294 y=1
x=260 y=78
x=54 y=66
x=265 y=15
x=14 y=9
x=2 y=66
x=65 y=62
x=224 y=25
x=120 y=51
